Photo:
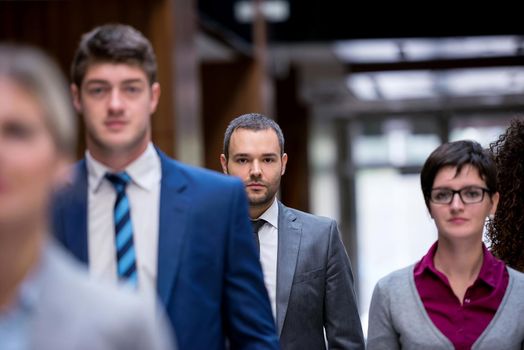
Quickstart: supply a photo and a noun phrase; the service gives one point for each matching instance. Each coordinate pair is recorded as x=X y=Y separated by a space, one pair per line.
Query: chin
x=258 y=201
x=257 y=197
x=462 y=234
x=121 y=144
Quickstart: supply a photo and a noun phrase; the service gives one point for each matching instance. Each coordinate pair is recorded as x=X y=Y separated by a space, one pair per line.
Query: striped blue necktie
x=125 y=249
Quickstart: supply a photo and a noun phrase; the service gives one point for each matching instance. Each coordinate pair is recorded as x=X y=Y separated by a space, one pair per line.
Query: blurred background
x=363 y=92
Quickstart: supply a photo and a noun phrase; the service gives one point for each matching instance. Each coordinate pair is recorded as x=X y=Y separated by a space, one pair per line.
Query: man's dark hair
x=458 y=154
x=252 y=121
x=114 y=43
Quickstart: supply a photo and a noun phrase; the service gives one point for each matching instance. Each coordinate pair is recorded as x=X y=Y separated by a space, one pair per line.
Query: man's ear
x=155 y=97
x=223 y=162
x=284 y=162
x=75 y=93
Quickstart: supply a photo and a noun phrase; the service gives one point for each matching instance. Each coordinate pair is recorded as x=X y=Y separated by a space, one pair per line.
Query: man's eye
x=97 y=90
x=241 y=160
x=269 y=160
x=132 y=89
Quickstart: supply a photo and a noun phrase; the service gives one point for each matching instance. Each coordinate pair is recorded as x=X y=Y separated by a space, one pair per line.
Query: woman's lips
x=458 y=221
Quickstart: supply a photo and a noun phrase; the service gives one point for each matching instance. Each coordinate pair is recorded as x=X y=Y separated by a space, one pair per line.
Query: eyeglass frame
x=453 y=192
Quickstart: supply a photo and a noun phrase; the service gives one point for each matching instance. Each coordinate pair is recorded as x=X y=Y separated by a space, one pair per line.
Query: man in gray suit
x=46 y=301
x=306 y=268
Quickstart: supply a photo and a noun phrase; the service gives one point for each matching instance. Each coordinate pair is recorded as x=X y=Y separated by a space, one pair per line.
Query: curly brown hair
x=506 y=231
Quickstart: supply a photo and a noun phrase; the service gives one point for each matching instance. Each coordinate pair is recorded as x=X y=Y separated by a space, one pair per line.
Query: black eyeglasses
x=468 y=195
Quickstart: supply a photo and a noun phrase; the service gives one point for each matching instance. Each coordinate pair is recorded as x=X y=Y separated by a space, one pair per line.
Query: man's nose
x=116 y=103
x=255 y=169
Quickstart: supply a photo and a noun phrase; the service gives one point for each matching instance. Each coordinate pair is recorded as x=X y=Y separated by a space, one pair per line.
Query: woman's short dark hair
x=458 y=154
x=115 y=43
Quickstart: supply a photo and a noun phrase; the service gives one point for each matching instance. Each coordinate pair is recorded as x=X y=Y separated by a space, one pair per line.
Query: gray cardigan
x=398 y=319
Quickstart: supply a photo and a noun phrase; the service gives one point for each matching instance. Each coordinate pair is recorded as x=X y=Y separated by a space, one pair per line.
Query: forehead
x=254 y=141
x=113 y=72
x=17 y=102
x=468 y=175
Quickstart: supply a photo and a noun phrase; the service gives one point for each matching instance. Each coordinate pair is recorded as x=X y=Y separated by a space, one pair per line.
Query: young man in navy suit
x=134 y=215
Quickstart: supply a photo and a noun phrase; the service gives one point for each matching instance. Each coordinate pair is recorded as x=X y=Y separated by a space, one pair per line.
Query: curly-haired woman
x=506 y=230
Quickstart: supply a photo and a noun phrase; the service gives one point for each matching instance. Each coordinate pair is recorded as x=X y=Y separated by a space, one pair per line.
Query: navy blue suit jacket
x=209 y=278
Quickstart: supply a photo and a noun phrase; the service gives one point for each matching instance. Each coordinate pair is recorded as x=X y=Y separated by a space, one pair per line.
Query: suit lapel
x=174 y=205
x=289 y=235
x=75 y=214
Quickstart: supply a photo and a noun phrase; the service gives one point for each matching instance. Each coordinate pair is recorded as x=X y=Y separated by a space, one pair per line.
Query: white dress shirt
x=268 y=238
x=143 y=193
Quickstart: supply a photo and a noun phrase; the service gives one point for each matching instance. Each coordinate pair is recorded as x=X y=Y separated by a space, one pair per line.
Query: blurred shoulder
x=72 y=279
x=102 y=313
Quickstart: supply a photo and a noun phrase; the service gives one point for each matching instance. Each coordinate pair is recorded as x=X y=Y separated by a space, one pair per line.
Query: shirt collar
x=426 y=263
x=492 y=268
x=271 y=214
x=145 y=171
x=490 y=272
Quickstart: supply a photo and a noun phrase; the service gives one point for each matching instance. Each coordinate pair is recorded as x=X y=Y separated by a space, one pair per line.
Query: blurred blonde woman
x=46 y=302
x=458 y=296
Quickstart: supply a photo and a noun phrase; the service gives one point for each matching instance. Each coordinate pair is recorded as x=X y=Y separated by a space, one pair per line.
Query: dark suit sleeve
x=342 y=322
x=70 y=202
x=247 y=315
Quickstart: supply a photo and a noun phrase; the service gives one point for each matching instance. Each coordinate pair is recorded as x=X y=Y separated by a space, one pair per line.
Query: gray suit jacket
x=75 y=313
x=314 y=285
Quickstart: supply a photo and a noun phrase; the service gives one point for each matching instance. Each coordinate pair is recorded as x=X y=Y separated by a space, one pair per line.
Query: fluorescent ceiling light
x=457 y=48
x=392 y=85
x=408 y=50
x=428 y=84
x=272 y=10
x=376 y=50
x=485 y=81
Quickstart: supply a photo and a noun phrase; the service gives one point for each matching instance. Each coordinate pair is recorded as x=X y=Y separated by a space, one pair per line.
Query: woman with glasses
x=458 y=296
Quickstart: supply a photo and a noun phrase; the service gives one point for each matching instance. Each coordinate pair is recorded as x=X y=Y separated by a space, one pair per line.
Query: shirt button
x=467 y=300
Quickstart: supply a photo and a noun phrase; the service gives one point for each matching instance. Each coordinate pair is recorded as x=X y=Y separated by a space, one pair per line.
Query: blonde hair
x=38 y=73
